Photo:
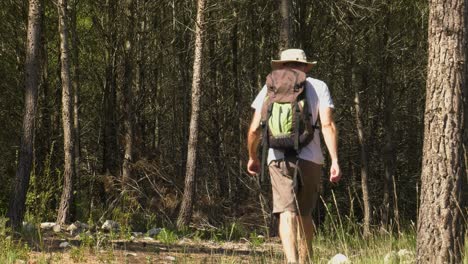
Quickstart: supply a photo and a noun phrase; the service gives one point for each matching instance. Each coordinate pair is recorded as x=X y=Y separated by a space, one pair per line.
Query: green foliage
x=168 y=237
x=11 y=250
x=87 y=241
x=43 y=190
x=77 y=254
x=256 y=240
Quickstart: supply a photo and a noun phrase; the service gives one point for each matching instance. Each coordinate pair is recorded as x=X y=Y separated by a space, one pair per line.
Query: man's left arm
x=330 y=136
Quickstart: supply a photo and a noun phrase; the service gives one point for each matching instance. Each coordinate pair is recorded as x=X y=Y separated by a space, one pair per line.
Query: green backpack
x=285 y=113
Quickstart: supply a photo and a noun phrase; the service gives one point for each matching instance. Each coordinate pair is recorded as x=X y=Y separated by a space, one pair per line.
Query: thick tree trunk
x=440 y=237
x=67 y=118
x=186 y=209
x=16 y=208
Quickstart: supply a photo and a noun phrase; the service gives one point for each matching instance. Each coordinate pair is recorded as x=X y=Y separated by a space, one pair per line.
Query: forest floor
x=108 y=249
x=146 y=250
x=39 y=246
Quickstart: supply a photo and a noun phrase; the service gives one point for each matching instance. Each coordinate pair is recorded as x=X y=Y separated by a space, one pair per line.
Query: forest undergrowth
x=233 y=243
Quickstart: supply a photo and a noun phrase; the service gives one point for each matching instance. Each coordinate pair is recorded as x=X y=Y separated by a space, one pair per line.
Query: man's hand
x=253 y=166
x=335 y=172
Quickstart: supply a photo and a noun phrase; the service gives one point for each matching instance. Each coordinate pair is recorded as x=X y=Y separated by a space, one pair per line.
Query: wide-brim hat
x=292 y=55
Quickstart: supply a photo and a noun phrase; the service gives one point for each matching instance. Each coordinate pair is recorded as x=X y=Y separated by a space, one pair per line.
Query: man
x=295 y=209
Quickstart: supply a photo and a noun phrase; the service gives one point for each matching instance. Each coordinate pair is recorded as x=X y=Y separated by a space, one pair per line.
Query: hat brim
x=276 y=64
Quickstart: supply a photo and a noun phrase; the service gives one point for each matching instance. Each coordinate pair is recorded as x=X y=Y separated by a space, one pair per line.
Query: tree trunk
x=67 y=118
x=185 y=213
x=16 y=208
x=76 y=88
x=388 y=152
x=363 y=147
x=109 y=159
x=128 y=94
x=285 y=29
x=440 y=237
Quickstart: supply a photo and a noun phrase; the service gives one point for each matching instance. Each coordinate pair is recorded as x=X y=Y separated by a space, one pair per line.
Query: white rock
x=64 y=245
x=137 y=234
x=148 y=238
x=406 y=256
x=81 y=225
x=392 y=258
x=154 y=232
x=47 y=225
x=171 y=258
x=72 y=227
x=130 y=254
x=57 y=228
x=110 y=225
x=339 y=259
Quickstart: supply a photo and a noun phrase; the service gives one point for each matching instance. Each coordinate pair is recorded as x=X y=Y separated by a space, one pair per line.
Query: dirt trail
x=154 y=251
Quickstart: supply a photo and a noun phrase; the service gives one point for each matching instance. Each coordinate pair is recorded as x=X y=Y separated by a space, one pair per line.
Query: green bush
x=10 y=250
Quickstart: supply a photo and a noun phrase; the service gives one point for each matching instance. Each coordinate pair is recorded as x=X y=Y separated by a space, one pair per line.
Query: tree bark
x=67 y=118
x=128 y=94
x=388 y=151
x=16 y=208
x=440 y=237
x=285 y=28
x=186 y=209
x=363 y=144
x=76 y=88
x=109 y=159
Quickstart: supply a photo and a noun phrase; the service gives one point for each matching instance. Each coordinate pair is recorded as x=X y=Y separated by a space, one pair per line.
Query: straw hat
x=292 y=55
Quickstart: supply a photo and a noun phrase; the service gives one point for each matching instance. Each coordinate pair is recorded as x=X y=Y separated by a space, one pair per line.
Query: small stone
x=154 y=232
x=48 y=225
x=392 y=258
x=148 y=238
x=81 y=225
x=406 y=256
x=130 y=254
x=72 y=227
x=57 y=228
x=137 y=234
x=170 y=258
x=110 y=225
x=339 y=259
x=64 y=245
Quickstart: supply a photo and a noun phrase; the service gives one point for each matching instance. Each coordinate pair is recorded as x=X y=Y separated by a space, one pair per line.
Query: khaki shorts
x=282 y=183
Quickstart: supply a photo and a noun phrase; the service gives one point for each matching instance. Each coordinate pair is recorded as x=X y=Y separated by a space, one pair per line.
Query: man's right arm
x=253 y=139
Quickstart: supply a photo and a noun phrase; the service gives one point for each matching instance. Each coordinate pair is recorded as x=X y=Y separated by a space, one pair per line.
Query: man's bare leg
x=287 y=232
x=305 y=232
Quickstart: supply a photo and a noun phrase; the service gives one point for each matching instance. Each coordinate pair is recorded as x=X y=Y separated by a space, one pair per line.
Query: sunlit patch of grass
x=167 y=237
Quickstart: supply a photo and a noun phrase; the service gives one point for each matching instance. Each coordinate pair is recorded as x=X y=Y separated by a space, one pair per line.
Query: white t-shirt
x=318 y=97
